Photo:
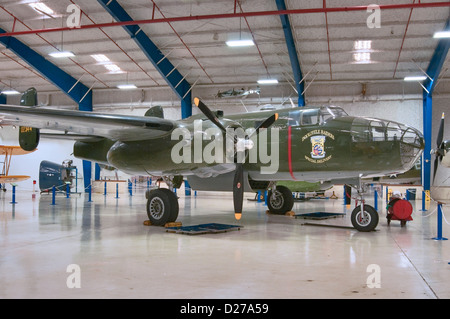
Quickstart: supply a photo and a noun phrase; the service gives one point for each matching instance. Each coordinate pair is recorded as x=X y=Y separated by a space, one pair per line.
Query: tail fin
x=156 y=111
x=29 y=136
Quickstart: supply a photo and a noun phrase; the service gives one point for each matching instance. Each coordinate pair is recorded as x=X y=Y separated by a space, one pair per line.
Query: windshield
x=314 y=116
x=331 y=112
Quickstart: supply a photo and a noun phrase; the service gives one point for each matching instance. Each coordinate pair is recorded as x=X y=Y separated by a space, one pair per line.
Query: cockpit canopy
x=314 y=116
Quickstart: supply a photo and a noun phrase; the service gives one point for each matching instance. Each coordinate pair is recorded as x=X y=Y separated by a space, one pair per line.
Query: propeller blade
x=209 y=114
x=238 y=190
x=436 y=164
x=440 y=136
x=266 y=123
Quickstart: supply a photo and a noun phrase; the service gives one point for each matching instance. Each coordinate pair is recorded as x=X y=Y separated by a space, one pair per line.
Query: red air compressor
x=399 y=209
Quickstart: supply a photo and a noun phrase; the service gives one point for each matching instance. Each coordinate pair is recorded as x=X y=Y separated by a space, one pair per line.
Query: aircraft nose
x=412 y=145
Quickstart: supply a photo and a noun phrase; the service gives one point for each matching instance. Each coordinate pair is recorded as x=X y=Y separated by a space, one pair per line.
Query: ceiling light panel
x=42 y=8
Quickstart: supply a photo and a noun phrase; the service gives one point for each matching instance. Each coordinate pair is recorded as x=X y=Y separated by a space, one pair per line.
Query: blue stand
x=106 y=192
x=265 y=198
x=423 y=202
x=258 y=198
x=376 y=200
x=439 y=225
x=117 y=191
x=67 y=191
x=53 y=196
x=387 y=194
x=90 y=192
x=187 y=188
x=13 y=195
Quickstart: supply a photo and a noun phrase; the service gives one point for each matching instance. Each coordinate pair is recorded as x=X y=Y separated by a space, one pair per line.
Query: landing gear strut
x=364 y=217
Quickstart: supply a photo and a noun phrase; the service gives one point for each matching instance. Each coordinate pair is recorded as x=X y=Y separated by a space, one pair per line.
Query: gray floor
x=270 y=257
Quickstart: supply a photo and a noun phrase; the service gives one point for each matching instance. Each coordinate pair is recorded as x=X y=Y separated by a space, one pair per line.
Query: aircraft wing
x=12 y=150
x=112 y=126
x=13 y=179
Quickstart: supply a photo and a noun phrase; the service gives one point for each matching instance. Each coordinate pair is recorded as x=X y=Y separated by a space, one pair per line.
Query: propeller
x=440 y=150
x=238 y=182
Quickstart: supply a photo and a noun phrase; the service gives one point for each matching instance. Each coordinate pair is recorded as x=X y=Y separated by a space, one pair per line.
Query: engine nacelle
x=28 y=136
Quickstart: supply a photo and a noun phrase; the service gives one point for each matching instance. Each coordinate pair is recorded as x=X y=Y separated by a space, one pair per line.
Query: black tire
x=175 y=208
x=365 y=223
x=282 y=202
x=162 y=206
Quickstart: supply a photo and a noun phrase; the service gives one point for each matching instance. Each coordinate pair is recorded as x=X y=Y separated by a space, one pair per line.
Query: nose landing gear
x=364 y=217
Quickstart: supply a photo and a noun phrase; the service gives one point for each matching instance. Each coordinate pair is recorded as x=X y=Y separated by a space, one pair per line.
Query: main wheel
x=280 y=201
x=366 y=221
x=162 y=206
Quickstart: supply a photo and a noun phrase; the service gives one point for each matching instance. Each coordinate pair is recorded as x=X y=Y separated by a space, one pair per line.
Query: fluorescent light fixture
x=42 y=8
x=62 y=54
x=112 y=68
x=127 y=86
x=362 y=57
x=415 y=78
x=268 y=81
x=10 y=92
x=441 y=34
x=363 y=45
x=240 y=43
x=101 y=58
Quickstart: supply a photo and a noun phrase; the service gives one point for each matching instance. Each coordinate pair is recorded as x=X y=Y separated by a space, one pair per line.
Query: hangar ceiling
x=325 y=43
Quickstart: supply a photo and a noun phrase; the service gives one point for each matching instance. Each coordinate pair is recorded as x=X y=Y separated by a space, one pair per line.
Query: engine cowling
x=28 y=136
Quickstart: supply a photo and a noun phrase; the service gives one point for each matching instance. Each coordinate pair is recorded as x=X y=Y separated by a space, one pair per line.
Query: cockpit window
x=314 y=116
x=331 y=112
x=294 y=118
x=310 y=117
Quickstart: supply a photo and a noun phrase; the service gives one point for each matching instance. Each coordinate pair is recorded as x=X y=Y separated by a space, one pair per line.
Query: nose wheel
x=364 y=218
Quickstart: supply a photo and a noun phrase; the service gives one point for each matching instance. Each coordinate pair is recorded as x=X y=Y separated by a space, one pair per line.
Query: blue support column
x=427 y=135
x=433 y=71
x=290 y=42
x=97 y=172
x=172 y=76
x=87 y=171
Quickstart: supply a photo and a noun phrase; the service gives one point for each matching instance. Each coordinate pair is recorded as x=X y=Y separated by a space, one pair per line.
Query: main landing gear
x=279 y=200
x=162 y=206
x=162 y=203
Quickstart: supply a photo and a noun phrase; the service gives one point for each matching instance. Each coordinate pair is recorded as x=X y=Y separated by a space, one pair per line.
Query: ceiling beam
x=77 y=91
x=161 y=63
x=233 y=15
x=292 y=50
x=437 y=61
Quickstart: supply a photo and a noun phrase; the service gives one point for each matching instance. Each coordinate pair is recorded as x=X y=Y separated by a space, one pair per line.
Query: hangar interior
x=353 y=55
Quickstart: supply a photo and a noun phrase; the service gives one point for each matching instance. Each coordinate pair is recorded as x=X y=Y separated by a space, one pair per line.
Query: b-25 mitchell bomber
x=241 y=152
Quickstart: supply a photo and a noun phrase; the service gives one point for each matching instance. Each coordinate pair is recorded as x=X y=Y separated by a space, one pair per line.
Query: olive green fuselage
x=341 y=147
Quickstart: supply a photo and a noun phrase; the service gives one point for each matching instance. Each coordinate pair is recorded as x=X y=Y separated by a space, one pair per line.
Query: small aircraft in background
x=8 y=152
x=306 y=144
x=238 y=93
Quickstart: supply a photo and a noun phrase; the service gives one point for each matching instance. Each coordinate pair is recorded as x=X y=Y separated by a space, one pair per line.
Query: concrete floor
x=270 y=257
